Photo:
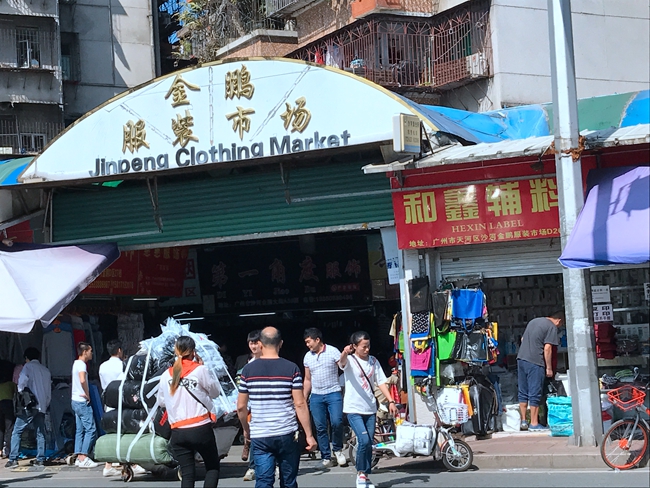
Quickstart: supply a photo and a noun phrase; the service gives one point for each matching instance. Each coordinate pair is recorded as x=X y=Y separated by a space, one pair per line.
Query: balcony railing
x=282 y=8
x=425 y=54
x=26 y=137
x=28 y=48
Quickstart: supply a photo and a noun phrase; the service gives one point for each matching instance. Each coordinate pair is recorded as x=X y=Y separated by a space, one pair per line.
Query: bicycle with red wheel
x=625 y=445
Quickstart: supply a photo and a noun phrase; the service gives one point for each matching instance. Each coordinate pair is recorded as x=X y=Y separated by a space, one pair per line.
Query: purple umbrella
x=614 y=224
x=37 y=281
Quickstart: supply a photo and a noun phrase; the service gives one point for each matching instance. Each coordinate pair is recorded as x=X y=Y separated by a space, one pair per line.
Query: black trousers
x=185 y=443
x=7 y=419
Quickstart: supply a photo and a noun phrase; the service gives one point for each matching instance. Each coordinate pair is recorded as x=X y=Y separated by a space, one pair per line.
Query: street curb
x=538 y=461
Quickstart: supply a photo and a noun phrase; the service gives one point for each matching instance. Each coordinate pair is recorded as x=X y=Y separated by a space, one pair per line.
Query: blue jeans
x=530 y=381
x=364 y=429
x=85 y=422
x=22 y=422
x=321 y=406
x=282 y=450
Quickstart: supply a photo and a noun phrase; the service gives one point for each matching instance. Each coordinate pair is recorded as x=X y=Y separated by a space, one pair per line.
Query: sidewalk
x=532 y=450
x=518 y=450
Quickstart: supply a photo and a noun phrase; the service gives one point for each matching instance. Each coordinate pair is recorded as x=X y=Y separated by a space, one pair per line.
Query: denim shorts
x=530 y=381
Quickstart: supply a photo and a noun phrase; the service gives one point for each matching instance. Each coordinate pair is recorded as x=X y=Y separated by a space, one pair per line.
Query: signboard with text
x=235 y=110
x=474 y=214
x=279 y=276
x=151 y=272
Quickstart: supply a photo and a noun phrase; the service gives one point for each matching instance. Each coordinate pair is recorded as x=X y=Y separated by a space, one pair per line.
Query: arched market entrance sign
x=218 y=113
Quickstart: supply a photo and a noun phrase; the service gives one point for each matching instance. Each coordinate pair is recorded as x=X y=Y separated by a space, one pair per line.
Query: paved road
x=414 y=474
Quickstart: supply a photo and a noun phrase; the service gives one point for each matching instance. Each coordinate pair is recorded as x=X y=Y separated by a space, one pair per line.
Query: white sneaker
x=87 y=463
x=76 y=462
x=137 y=469
x=328 y=463
x=340 y=458
x=250 y=475
x=363 y=481
x=111 y=472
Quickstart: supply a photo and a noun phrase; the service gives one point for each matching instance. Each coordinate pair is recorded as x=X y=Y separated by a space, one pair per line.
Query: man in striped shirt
x=273 y=386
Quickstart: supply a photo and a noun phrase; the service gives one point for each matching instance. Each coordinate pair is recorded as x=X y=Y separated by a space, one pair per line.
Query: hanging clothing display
x=58 y=349
x=130 y=330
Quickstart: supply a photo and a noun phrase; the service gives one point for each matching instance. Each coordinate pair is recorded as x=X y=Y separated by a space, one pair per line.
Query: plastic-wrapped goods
x=161 y=351
x=132 y=420
x=137 y=365
x=130 y=397
x=141 y=452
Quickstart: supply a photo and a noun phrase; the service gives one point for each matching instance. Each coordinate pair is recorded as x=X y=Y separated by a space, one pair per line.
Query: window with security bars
x=8 y=135
x=28 y=47
x=32 y=143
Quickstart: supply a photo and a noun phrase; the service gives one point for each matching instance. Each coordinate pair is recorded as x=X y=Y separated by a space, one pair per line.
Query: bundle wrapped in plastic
x=160 y=350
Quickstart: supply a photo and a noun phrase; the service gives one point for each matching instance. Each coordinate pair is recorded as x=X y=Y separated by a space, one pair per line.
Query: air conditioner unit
x=477 y=65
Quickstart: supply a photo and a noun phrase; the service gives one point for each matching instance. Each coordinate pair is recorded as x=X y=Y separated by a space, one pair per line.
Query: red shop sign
x=152 y=272
x=472 y=214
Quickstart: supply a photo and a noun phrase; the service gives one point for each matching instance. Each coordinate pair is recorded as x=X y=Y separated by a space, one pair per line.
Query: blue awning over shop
x=10 y=169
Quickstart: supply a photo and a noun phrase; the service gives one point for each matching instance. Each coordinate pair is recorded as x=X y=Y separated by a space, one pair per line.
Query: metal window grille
x=437 y=53
x=28 y=47
x=26 y=136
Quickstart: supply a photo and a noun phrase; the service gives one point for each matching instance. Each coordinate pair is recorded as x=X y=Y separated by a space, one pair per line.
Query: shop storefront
x=486 y=218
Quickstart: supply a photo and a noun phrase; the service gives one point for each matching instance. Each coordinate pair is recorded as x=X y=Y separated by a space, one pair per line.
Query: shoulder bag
x=367 y=379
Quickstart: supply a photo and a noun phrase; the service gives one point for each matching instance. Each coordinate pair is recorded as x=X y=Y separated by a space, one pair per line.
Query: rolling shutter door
x=534 y=257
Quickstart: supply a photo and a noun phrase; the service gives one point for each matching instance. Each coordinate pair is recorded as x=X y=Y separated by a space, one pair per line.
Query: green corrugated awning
x=213 y=208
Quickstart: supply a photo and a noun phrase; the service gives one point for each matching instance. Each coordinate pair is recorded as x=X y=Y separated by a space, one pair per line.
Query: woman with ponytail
x=186 y=390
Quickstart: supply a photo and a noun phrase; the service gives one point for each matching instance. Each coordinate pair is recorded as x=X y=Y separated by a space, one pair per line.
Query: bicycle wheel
x=458 y=459
x=624 y=446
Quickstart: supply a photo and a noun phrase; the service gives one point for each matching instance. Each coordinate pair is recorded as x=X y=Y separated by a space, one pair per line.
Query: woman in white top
x=187 y=390
x=362 y=374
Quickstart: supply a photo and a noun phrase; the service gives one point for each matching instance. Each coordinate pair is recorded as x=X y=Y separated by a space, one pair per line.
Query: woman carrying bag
x=362 y=373
x=187 y=390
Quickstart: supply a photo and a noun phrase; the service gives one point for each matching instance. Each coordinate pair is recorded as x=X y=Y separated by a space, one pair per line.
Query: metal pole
x=585 y=395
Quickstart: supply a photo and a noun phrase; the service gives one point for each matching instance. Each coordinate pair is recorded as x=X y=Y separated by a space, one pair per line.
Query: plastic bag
x=470 y=347
x=137 y=365
x=560 y=416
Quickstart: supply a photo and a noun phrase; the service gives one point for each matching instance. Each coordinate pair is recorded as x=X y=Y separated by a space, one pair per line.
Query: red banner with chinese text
x=473 y=214
x=152 y=272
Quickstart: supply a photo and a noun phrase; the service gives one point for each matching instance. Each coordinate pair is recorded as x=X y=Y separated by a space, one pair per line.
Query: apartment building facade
x=61 y=58
x=474 y=55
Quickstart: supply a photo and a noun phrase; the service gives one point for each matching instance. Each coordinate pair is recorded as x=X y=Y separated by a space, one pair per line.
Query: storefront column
x=587 y=423
x=410 y=267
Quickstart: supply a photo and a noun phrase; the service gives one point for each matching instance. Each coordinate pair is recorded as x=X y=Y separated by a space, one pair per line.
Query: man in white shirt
x=35 y=377
x=322 y=382
x=85 y=422
x=109 y=371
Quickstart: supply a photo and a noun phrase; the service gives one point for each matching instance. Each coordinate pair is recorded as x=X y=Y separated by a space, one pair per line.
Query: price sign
x=600 y=294
x=604 y=313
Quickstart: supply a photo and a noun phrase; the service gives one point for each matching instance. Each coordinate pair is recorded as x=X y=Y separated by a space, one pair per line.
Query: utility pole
x=585 y=393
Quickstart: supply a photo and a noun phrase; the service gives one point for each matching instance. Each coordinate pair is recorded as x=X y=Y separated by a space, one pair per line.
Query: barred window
x=28 y=47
